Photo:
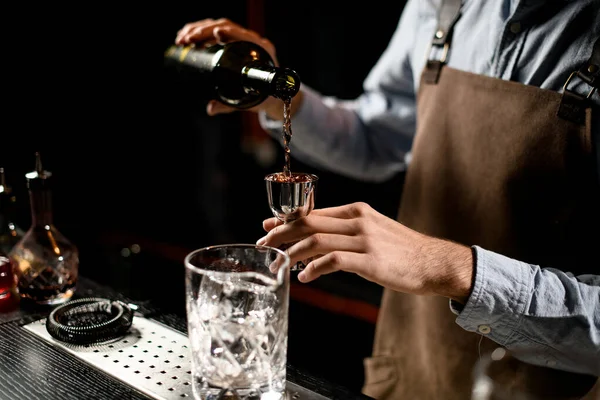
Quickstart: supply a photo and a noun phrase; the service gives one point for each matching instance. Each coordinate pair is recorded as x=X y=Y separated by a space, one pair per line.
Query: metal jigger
x=291 y=197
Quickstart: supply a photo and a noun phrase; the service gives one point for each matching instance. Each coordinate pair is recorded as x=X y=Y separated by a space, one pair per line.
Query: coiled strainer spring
x=89 y=320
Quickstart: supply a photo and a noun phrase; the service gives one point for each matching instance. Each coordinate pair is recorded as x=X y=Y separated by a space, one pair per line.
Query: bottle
x=10 y=232
x=47 y=263
x=240 y=74
x=7 y=276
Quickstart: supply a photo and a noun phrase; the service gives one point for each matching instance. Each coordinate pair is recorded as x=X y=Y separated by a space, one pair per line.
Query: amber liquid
x=41 y=283
x=287 y=135
x=45 y=293
x=286 y=176
x=297 y=177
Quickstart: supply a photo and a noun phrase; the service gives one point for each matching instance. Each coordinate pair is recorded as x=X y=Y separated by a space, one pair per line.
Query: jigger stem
x=300 y=265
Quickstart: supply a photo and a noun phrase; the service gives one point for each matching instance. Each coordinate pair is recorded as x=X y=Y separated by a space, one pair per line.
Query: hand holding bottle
x=210 y=31
x=220 y=31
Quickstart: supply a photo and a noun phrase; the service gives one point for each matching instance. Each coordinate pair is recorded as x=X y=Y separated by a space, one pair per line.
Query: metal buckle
x=569 y=80
x=444 y=52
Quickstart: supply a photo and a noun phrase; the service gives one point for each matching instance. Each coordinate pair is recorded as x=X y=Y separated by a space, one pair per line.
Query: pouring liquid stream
x=287 y=176
x=287 y=136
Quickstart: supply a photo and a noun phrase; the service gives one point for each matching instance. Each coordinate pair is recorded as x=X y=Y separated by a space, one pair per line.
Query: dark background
x=136 y=160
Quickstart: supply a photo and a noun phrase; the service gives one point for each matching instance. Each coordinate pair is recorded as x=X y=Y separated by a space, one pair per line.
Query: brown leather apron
x=492 y=165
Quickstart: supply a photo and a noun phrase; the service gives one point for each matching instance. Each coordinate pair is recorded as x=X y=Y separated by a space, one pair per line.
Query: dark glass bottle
x=47 y=262
x=240 y=74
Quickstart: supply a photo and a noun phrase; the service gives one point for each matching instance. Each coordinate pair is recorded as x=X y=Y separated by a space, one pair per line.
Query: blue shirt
x=370 y=138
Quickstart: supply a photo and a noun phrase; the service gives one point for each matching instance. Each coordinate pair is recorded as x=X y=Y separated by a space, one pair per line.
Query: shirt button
x=484 y=329
x=515 y=27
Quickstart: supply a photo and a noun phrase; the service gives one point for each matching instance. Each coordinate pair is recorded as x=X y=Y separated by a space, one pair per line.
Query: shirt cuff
x=499 y=296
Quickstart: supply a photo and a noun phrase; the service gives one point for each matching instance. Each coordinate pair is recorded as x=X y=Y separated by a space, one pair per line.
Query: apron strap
x=448 y=15
x=572 y=105
x=590 y=71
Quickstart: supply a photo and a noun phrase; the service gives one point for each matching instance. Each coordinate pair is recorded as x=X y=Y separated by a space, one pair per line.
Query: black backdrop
x=132 y=150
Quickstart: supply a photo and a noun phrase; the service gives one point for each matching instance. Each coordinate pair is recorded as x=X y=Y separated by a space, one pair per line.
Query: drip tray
x=152 y=358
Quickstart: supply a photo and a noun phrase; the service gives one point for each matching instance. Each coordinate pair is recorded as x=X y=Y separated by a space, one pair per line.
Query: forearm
x=545 y=312
x=329 y=134
x=449 y=269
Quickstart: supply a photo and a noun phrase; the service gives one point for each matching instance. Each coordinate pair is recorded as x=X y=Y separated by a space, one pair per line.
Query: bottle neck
x=283 y=83
x=258 y=78
x=41 y=207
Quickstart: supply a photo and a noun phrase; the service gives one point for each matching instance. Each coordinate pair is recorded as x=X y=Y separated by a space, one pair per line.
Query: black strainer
x=89 y=320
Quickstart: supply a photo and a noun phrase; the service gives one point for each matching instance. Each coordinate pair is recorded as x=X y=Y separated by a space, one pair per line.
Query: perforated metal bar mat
x=151 y=357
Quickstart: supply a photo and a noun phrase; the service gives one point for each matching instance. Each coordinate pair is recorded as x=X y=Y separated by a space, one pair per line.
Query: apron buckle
x=431 y=74
x=573 y=105
x=565 y=86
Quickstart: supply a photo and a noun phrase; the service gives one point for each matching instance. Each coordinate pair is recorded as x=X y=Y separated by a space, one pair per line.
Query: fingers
x=199 y=31
x=211 y=31
x=222 y=30
x=279 y=233
x=270 y=223
x=279 y=262
x=332 y=262
x=348 y=211
x=202 y=28
x=228 y=33
x=322 y=244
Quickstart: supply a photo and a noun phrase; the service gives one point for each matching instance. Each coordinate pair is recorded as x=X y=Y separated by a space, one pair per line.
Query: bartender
x=492 y=109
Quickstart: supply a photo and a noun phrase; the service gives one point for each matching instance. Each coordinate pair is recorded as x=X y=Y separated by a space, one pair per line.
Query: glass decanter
x=47 y=262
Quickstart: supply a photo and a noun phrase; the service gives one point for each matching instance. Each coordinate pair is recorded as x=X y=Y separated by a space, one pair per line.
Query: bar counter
x=32 y=368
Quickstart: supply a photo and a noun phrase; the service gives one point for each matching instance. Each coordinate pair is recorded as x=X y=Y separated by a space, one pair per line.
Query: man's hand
x=356 y=238
x=210 y=31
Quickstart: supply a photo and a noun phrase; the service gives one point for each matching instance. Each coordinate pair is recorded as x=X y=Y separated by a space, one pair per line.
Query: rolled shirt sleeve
x=550 y=316
x=366 y=138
